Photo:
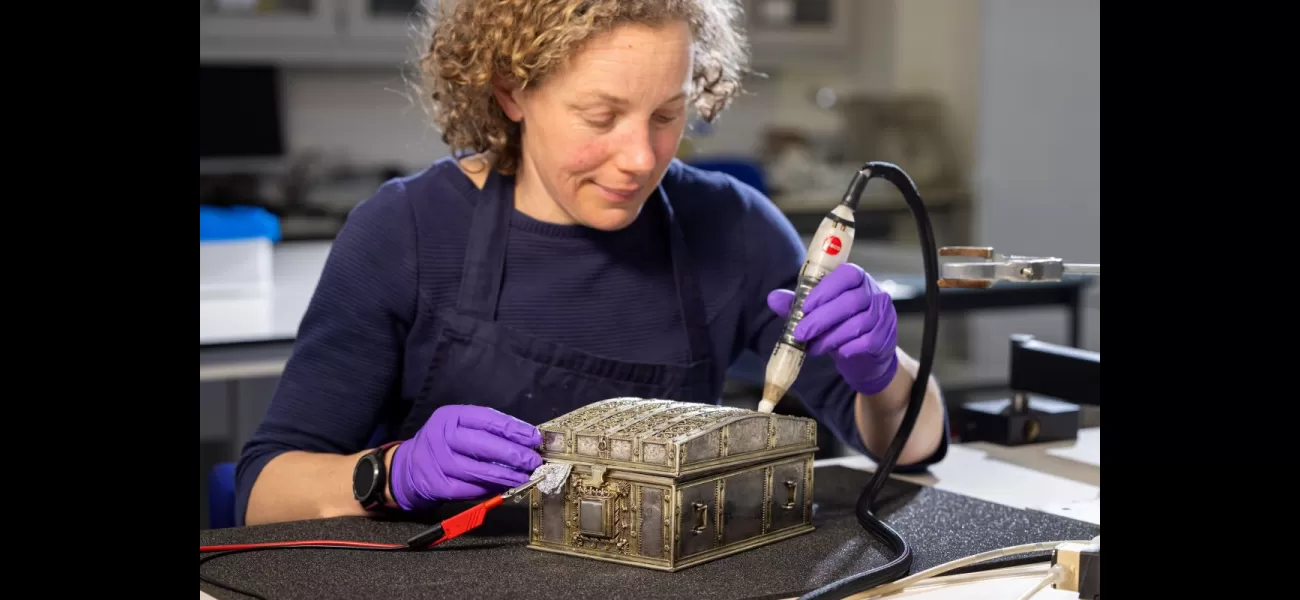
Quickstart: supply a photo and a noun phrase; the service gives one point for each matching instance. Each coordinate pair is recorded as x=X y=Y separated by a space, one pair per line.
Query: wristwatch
x=370 y=478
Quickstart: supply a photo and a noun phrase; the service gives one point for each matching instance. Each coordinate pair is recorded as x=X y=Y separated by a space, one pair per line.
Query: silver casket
x=667 y=485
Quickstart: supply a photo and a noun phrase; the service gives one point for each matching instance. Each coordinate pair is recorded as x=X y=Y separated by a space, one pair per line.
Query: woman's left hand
x=848 y=316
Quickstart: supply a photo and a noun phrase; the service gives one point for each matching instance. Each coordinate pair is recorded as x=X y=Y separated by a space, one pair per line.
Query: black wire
x=902 y=563
x=420 y=541
x=929 y=333
x=256 y=596
x=225 y=586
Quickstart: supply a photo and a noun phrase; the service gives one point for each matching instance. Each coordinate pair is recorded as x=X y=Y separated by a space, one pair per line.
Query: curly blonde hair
x=468 y=45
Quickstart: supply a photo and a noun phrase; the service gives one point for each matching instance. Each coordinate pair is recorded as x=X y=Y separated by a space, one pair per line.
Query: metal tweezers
x=1020 y=269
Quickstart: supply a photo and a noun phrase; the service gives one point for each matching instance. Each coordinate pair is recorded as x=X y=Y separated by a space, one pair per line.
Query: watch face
x=363 y=478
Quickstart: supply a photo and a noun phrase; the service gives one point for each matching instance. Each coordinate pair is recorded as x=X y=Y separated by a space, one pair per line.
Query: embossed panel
x=598 y=514
x=552 y=517
x=653 y=528
x=595 y=517
x=786 y=504
x=795 y=433
x=553 y=442
x=655 y=454
x=620 y=450
x=697 y=518
x=742 y=505
x=705 y=447
x=748 y=435
x=588 y=445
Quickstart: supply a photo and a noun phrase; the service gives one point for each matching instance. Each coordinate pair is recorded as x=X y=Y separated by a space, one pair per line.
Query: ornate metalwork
x=598 y=515
x=666 y=485
x=670 y=437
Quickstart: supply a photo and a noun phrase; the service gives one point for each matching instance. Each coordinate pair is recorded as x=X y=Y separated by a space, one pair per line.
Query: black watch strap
x=370 y=478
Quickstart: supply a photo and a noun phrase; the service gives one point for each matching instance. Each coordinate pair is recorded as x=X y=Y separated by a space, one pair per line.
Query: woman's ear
x=507 y=98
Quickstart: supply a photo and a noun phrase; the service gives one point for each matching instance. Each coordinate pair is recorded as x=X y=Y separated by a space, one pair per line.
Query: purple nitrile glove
x=463 y=452
x=850 y=317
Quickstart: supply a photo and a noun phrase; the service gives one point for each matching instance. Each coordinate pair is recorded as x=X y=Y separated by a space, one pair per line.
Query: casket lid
x=673 y=438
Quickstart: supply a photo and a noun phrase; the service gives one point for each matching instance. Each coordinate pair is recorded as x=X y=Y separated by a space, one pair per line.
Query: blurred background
x=992 y=106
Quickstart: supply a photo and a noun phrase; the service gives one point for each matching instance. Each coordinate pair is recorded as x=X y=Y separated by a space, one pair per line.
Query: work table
x=493 y=561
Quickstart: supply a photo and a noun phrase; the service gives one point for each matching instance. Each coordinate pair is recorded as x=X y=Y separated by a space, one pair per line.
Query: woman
x=566 y=259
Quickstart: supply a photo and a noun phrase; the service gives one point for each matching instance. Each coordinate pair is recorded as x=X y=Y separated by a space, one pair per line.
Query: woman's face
x=599 y=133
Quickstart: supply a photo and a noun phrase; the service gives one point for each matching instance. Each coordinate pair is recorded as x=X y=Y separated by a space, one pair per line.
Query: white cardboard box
x=232 y=269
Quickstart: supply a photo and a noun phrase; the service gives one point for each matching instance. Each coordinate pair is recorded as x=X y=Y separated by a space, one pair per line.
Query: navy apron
x=477 y=360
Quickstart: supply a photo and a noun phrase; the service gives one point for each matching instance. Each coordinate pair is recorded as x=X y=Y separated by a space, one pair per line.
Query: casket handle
x=701 y=517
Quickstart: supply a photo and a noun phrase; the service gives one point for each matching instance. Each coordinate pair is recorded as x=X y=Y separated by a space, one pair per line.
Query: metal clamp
x=1020 y=269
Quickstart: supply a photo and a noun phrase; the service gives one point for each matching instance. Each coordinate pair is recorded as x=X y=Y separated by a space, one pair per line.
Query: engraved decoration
x=598 y=516
x=671 y=437
x=667 y=485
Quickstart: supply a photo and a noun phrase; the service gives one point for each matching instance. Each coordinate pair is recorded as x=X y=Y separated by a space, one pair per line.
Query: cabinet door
x=263 y=19
x=383 y=21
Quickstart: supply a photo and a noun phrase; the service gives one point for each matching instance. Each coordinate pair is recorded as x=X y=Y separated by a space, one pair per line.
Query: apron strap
x=691 y=301
x=485 y=251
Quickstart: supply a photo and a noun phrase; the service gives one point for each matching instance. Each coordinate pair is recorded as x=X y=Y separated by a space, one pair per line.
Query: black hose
x=901 y=565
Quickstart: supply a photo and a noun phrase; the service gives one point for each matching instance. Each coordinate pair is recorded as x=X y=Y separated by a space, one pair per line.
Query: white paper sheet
x=1087 y=449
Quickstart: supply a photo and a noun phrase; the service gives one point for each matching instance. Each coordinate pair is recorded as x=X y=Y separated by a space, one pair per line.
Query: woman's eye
x=664 y=119
x=599 y=120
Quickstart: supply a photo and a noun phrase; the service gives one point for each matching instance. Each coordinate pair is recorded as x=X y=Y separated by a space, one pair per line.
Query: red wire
x=450 y=528
x=300 y=544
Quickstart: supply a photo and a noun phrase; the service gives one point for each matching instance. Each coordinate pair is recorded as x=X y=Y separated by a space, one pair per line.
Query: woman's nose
x=636 y=152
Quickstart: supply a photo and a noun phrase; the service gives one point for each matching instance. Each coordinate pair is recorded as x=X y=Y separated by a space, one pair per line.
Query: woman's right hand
x=463 y=452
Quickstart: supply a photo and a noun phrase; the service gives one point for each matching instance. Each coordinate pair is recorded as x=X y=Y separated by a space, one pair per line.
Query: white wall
x=1038 y=150
x=917 y=45
x=937 y=50
x=367 y=115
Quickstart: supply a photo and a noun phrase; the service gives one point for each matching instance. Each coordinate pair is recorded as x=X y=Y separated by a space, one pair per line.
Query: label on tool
x=832 y=245
x=826 y=252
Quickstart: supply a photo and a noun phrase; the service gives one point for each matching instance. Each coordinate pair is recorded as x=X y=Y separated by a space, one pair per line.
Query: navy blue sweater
x=357 y=359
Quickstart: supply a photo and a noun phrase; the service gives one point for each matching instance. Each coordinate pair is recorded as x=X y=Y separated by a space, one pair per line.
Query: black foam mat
x=493 y=562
